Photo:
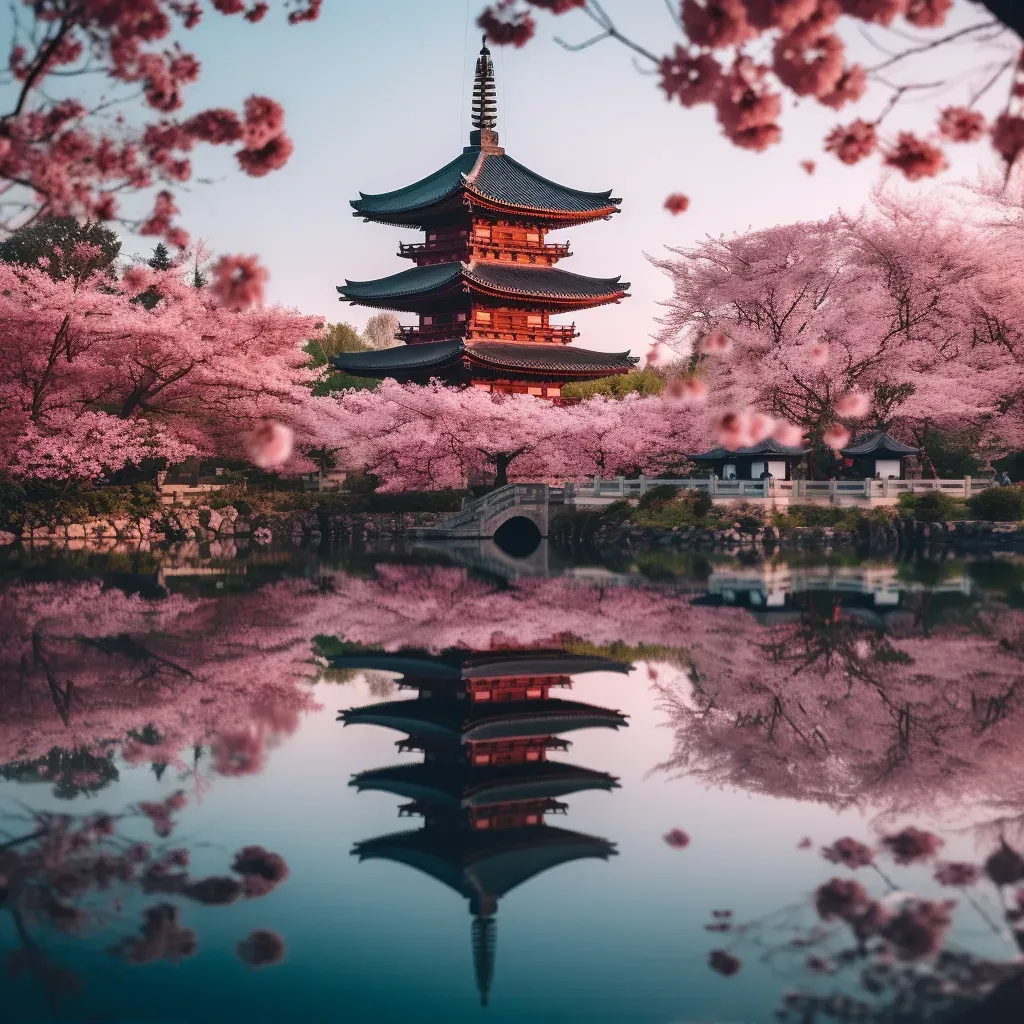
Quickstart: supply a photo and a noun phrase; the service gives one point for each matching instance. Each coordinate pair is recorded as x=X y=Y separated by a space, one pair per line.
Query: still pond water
x=436 y=786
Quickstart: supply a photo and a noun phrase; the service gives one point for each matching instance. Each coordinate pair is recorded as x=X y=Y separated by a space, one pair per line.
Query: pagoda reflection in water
x=485 y=723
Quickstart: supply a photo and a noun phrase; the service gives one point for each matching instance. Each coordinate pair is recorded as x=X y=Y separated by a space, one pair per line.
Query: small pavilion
x=750 y=462
x=879 y=455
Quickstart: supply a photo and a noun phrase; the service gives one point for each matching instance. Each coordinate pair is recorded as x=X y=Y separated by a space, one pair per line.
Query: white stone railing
x=831 y=491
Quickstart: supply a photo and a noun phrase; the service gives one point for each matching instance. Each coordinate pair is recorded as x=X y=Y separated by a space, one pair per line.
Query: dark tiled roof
x=545 y=282
x=541 y=282
x=878 y=443
x=544 y=357
x=769 y=446
x=507 y=181
x=424 y=192
x=422 y=356
x=492 y=176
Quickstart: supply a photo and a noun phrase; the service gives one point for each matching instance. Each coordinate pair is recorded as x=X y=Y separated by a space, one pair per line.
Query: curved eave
x=564 y=303
x=538 y=214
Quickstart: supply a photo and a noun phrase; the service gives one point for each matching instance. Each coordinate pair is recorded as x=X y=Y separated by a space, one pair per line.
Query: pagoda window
x=531 y=819
x=534 y=691
x=483 y=823
x=482 y=231
x=483 y=317
x=432 y=236
x=533 y=236
x=554 y=392
x=534 y=319
x=481 y=759
x=427 y=321
x=460 y=317
x=533 y=755
x=481 y=695
x=534 y=391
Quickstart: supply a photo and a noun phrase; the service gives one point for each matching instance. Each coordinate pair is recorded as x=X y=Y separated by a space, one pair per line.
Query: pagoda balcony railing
x=438 y=332
x=448 y=249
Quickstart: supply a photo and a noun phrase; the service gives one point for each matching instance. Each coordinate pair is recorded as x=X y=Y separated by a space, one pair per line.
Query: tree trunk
x=501 y=469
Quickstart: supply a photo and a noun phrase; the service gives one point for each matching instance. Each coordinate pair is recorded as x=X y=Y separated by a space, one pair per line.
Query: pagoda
x=484 y=285
x=485 y=723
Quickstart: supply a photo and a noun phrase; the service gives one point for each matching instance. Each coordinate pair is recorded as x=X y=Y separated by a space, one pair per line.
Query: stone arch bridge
x=514 y=508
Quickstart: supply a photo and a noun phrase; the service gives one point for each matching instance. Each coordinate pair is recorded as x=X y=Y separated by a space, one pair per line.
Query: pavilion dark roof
x=488 y=175
x=461 y=664
x=460 y=785
x=441 y=278
x=769 y=446
x=878 y=442
x=420 y=358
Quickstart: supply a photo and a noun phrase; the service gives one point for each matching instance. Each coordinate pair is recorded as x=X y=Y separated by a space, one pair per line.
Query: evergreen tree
x=161 y=258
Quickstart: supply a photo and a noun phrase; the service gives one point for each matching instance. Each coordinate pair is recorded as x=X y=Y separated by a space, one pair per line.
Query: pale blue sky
x=377 y=96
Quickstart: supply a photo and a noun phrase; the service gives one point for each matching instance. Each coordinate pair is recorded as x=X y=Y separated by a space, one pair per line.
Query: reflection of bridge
x=509 y=510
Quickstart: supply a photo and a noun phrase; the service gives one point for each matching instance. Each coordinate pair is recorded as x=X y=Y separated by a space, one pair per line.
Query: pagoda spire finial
x=485 y=102
x=484 y=941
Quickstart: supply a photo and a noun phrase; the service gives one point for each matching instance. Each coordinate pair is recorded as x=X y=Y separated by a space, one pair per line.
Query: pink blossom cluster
x=806 y=58
x=59 y=156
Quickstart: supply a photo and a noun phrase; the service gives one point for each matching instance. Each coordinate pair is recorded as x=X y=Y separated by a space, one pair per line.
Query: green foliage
x=998 y=504
x=933 y=507
x=998 y=574
x=332 y=340
x=689 y=509
x=645 y=382
x=657 y=497
x=952 y=452
x=338 y=381
x=852 y=520
x=43 y=502
x=39 y=240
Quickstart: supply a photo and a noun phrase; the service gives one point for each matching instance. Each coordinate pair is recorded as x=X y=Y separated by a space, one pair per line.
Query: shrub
x=935 y=507
x=999 y=504
x=657 y=497
x=687 y=509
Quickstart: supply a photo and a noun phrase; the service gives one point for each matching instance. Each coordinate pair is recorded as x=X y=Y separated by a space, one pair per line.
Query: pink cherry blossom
x=677 y=203
x=788 y=434
x=676 y=838
x=269 y=445
x=836 y=437
x=716 y=343
x=854 y=404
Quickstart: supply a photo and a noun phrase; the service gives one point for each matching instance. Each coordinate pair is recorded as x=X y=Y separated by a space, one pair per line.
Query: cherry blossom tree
x=62 y=155
x=848 y=323
x=434 y=436
x=92 y=379
x=745 y=58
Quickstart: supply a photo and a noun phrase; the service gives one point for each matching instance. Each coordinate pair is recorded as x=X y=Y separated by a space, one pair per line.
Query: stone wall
x=205 y=525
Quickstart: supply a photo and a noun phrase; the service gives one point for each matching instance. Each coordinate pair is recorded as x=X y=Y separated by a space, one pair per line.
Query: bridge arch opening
x=518 y=536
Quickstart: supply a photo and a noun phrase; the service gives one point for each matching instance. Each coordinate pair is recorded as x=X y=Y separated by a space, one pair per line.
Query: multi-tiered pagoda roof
x=485 y=285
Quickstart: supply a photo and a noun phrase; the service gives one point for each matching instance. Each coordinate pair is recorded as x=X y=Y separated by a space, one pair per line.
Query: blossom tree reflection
x=71 y=875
